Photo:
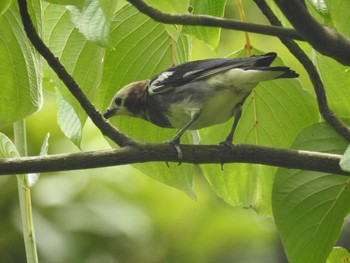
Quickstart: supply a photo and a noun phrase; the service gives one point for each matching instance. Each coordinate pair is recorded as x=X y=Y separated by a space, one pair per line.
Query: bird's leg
x=176 y=140
x=229 y=138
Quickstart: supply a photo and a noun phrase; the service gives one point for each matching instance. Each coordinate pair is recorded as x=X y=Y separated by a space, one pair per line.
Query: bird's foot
x=227 y=144
x=176 y=144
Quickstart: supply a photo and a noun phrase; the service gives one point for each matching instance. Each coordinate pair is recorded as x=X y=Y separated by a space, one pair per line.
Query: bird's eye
x=118 y=101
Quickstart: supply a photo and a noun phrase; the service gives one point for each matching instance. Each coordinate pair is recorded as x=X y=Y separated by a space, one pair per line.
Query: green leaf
x=4 y=5
x=7 y=148
x=69 y=121
x=91 y=22
x=309 y=207
x=141 y=48
x=81 y=58
x=209 y=35
x=272 y=116
x=336 y=79
x=345 y=160
x=20 y=69
x=339 y=12
x=77 y=3
x=339 y=255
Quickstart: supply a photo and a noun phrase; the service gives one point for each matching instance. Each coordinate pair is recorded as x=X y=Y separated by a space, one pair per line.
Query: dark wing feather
x=195 y=70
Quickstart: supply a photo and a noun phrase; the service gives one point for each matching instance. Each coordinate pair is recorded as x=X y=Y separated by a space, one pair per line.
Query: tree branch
x=198 y=154
x=315 y=78
x=211 y=21
x=322 y=38
x=108 y=130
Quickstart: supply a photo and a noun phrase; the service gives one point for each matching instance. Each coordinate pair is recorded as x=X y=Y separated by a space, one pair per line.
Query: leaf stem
x=24 y=197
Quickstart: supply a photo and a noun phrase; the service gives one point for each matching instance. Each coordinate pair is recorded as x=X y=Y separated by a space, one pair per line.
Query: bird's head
x=128 y=100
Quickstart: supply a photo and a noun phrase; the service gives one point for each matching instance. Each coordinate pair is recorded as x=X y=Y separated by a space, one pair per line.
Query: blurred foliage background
x=117 y=214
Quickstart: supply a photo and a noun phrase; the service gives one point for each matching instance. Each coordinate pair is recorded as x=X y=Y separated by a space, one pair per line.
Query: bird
x=197 y=94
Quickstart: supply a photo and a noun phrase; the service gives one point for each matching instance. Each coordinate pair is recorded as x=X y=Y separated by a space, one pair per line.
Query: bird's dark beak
x=109 y=113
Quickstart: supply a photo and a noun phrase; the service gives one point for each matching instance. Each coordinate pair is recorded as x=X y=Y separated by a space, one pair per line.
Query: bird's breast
x=213 y=109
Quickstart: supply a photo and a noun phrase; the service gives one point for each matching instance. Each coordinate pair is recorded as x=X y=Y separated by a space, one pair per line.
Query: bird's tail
x=286 y=72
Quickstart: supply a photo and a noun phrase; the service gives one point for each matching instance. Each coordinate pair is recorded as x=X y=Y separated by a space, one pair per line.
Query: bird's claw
x=227 y=144
x=177 y=147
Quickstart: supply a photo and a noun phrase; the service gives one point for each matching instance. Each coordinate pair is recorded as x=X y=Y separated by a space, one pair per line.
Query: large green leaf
x=272 y=116
x=309 y=207
x=209 y=35
x=140 y=49
x=81 y=58
x=336 y=79
x=20 y=71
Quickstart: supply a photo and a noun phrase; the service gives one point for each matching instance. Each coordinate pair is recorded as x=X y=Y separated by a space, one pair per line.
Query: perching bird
x=196 y=94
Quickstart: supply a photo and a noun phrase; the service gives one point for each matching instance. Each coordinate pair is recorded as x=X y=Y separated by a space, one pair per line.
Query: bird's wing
x=201 y=69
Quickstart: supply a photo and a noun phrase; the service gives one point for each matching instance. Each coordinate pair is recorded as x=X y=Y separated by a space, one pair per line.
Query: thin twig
x=293 y=47
x=212 y=21
x=108 y=130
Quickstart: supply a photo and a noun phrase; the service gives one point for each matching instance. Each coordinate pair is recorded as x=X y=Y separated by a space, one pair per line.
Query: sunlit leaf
x=309 y=207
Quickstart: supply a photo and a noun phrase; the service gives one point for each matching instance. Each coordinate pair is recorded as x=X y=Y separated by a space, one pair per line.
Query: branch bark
x=324 y=39
x=198 y=154
x=211 y=21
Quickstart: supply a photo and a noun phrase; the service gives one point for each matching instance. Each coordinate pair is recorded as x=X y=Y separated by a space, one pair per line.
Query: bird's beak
x=109 y=113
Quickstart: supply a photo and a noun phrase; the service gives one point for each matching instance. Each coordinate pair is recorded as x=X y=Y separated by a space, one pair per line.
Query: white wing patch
x=163 y=76
x=192 y=72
